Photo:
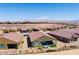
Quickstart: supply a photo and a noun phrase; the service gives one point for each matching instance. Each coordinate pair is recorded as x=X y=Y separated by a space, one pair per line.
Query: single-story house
x=13 y=29
x=6 y=30
x=10 y=29
x=65 y=36
x=12 y=41
x=42 y=40
x=23 y=30
x=76 y=30
x=34 y=29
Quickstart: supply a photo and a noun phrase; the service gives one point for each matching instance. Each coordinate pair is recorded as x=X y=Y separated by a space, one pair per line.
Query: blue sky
x=36 y=11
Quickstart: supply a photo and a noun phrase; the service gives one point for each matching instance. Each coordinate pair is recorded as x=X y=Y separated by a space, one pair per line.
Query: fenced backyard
x=60 y=47
x=32 y=51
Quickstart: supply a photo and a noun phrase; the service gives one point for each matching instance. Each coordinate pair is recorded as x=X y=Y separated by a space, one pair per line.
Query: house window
x=36 y=43
x=12 y=46
x=74 y=39
x=26 y=35
x=23 y=31
x=2 y=45
x=47 y=43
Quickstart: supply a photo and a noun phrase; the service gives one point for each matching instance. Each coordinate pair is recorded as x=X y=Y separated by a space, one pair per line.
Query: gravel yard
x=65 y=52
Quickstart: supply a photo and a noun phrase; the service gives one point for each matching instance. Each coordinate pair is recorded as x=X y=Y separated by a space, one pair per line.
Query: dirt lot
x=29 y=26
x=65 y=52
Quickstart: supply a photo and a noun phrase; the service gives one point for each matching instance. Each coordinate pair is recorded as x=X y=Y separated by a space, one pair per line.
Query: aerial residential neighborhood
x=39 y=28
x=38 y=38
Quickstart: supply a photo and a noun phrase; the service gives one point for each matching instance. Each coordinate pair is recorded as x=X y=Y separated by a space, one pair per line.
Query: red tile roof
x=16 y=37
x=62 y=33
x=38 y=34
x=35 y=35
x=76 y=30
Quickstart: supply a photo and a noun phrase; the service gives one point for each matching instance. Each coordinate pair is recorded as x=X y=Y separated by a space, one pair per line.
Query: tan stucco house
x=40 y=39
x=12 y=41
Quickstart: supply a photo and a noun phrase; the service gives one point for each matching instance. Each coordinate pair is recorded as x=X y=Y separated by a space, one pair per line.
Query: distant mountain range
x=75 y=22
x=43 y=20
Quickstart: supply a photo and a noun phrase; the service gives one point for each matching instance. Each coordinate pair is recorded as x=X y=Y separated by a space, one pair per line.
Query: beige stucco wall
x=24 y=45
x=45 y=38
x=75 y=43
x=20 y=46
x=6 y=41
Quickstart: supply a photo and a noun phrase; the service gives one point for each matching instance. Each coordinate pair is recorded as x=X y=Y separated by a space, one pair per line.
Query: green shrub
x=52 y=45
x=39 y=46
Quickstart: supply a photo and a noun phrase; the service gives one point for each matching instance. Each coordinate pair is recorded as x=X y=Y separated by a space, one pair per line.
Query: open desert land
x=29 y=26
